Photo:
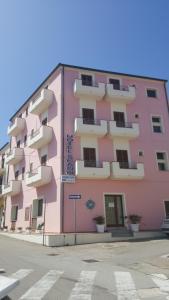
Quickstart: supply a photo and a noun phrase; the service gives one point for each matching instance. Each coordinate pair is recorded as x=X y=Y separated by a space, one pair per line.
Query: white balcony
x=42 y=103
x=17 y=127
x=126 y=130
x=133 y=173
x=96 y=92
x=41 y=176
x=90 y=127
x=13 y=188
x=94 y=170
x=122 y=95
x=14 y=156
x=40 y=137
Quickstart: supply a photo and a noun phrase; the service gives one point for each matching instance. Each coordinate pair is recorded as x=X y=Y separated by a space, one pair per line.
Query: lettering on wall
x=69 y=156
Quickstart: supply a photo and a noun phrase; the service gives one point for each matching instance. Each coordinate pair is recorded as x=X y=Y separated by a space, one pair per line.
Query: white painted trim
x=123 y=204
x=167 y=161
x=161 y=123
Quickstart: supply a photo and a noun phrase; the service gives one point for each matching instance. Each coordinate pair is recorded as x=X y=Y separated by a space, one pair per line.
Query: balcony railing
x=123 y=129
x=16 y=127
x=42 y=102
x=92 y=169
x=127 y=170
x=12 y=188
x=85 y=126
x=42 y=175
x=40 y=138
x=14 y=156
x=96 y=91
x=124 y=94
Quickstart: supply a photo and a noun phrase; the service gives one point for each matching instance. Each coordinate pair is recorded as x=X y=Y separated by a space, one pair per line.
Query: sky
x=128 y=36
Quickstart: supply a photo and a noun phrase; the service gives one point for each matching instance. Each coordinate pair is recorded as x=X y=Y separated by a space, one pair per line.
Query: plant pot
x=100 y=228
x=134 y=227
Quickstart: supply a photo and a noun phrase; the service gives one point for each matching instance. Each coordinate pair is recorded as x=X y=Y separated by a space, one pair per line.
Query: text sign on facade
x=75 y=197
x=69 y=156
x=68 y=178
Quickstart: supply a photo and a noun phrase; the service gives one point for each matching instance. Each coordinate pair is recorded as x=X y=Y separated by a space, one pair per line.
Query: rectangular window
x=23 y=173
x=86 y=80
x=44 y=160
x=156 y=124
x=25 y=140
x=162 y=161
x=16 y=175
x=37 y=208
x=151 y=93
x=115 y=83
x=122 y=158
x=18 y=144
x=44 y=121
x=89 y=156
x=119 y=117
x=20 y=116
x=88 y=116
x=14 y=213
x=27 y=213
x=26 y=112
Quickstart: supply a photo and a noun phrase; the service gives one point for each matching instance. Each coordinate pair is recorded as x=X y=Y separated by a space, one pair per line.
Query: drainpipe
x=62 y=154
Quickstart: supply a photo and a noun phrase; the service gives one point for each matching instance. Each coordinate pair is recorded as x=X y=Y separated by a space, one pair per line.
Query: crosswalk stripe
x=40 y=288
x=83 y=288
x=125 y=286
x=161 y=281
x=21 y=274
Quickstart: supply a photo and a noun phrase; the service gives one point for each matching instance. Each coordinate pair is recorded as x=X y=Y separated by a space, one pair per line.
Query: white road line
x=161 y=281
x=125 y=286
x=83 y=288
x=40 y=288
x=21 y=274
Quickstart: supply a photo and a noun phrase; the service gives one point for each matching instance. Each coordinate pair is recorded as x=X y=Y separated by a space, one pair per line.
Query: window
x=44 y=160
x=18 y=144
x=122 y=158
x=136 y=116
x=162 y=161
x=14 y=213
x=86 y=80
x=31 y=167
x=89 y=156
x=88 y=116
x=27 y=213
x=115 y=83
x=3 y=161
x=140 y=153
x=16 y=175
x=151 y=93
x=119 y=117
x=26 y=111
x=45 y=121
x=166 y=205
x=37 y=208
x=156 y=124
x=25 y=140
x=20 y=116
x=32 y=132
x=23 y=173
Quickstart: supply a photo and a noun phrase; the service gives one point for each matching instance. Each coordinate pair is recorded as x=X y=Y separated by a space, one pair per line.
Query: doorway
x=122 y=158
x=114 y=212
x=119 y=118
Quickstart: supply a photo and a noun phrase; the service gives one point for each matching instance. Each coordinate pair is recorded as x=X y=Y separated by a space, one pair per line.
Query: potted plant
x=5 y=229
x=134 y=222
x=39 y=228
x=19 y=229
x=28 y=229
x=100 y=223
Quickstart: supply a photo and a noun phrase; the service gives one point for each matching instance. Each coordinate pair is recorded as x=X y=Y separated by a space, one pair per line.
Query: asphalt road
x=123 y=270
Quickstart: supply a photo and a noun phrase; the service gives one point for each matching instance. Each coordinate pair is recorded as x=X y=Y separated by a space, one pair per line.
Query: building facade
x=3 y=178
x=110 y=131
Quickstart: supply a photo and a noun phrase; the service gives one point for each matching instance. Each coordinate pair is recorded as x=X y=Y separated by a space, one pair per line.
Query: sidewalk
x=69 y=239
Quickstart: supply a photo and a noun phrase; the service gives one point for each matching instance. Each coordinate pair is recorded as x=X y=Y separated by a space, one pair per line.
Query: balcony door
x=89 y=156
x=114 y=213
x=88 y=116
x=119 y=118
x=115 y=83
x=122 y=158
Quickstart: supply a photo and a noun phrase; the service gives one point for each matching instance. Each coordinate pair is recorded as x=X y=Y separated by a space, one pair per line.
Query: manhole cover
x=90 y=261
x=52 y=254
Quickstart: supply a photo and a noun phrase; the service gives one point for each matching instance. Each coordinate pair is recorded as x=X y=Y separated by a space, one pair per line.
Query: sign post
x=75 y=198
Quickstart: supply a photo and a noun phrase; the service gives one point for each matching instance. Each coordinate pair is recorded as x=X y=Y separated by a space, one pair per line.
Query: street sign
x=75 y=197
x=68 y=178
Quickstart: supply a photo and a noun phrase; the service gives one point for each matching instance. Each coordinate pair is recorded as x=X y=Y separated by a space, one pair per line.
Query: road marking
x=7 y=285
x=21 y=274
x=40 y=288
x=125 y=286
x=83 y=288
x=161 y=281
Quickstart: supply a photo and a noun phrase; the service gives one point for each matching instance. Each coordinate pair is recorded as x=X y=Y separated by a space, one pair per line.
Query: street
x=123 y=270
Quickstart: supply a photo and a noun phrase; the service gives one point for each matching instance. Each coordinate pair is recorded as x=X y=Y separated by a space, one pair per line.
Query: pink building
x=108 y=129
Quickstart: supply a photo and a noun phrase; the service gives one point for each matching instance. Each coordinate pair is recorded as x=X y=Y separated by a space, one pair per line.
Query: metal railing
x=120 y=87
x=88 y=83
x=124 y=124
x=88 y=121
x=127 y=165
x=92 y=164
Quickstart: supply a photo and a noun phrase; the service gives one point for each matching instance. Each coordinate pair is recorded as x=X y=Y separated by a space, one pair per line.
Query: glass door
x=114 y=210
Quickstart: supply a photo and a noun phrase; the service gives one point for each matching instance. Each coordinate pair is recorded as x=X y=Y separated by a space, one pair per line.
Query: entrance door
x=119 y=118
x=122 y=158
x=114 y=211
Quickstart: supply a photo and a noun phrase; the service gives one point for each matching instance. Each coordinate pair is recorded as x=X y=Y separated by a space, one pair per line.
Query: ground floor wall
x=139 y=197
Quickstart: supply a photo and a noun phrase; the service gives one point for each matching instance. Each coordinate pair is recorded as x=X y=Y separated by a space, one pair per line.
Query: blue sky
x=130 y=36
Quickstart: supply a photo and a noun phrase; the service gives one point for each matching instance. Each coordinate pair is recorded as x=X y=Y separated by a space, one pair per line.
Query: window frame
x=156 y=124
x=165 y=161
x=151 y=89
